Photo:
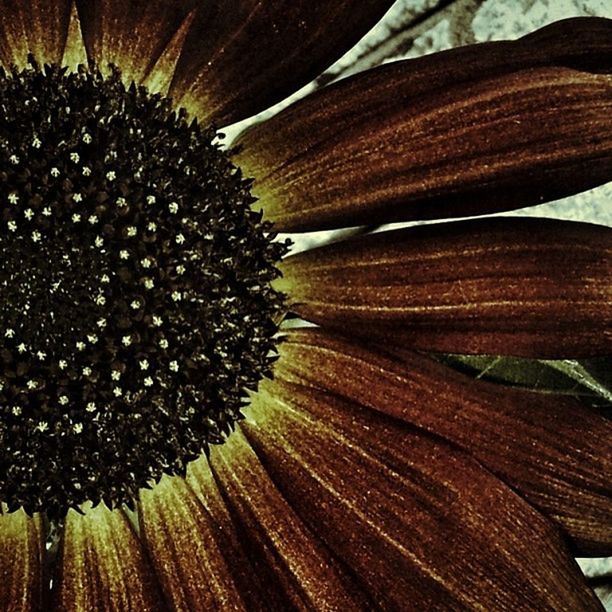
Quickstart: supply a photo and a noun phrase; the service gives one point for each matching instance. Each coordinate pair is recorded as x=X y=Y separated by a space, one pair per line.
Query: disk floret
x=136 y=302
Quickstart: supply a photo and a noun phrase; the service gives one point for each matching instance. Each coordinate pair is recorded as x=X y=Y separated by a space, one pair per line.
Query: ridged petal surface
x=185 y=550
x=310 y=578
x=472 y=130
x=133 y=35
x=38 y=26
x=21 y=562
x=242 y=56
x=102 y=566
x=248 y=574
x=521 y=286
x=423 y=526
x=553 y=450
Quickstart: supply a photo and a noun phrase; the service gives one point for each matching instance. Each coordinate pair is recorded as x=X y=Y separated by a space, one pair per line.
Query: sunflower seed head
x=129 y=254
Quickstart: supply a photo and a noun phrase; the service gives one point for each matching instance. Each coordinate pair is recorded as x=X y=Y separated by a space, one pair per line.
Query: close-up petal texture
x=39 y=27
x=496 y=286
x=338 y=468
x=568 y=476
x=244 y=55
x=21 y=562
x=226 y=383
x=103 y=565
x=445 y=135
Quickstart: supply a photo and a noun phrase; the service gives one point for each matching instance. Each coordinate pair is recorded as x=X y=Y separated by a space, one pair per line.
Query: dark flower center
x=135 y=304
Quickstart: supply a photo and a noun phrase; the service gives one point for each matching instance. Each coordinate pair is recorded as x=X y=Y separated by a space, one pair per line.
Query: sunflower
x=192 y=416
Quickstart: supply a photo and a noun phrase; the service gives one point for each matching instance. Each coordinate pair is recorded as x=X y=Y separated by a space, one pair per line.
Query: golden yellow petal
x=160 y=76
x=74 y=51
x=39 y=27
x=102 y=565
x=21 y=555
x=131 y=35
x=179 y=535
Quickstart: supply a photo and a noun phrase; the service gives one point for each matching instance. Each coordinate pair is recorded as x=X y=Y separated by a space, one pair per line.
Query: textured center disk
x=135 y=299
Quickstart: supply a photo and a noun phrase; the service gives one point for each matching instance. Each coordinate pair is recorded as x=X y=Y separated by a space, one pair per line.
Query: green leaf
x=590 y=379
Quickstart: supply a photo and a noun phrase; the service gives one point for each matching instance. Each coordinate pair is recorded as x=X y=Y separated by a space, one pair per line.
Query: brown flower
x=365 y=474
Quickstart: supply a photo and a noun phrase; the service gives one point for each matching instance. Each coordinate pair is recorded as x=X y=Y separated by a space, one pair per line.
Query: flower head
x=286 y=431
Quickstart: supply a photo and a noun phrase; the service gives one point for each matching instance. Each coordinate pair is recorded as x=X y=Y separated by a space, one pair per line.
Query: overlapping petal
x=472 y=130
x=187 y=555
x=249 y=574
x=135 y=35
x=553 y=450
x=417 y=521
x=520 y=286
x=242 y=56
x=21 y=562
x=39 y=27
x=305 y=572
x=102 y=565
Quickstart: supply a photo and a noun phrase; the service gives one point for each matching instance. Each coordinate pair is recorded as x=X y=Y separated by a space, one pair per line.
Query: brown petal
x=306 y=571
x=554 y=451
x=181 y=540
x=160 y=76
x=423 y=525
x=524 y=287
x=39 y=27
x=132 y=35
x=248 y=574
x=102 y=565
x=450 y=134
x=241 y=59
x=21 y=559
